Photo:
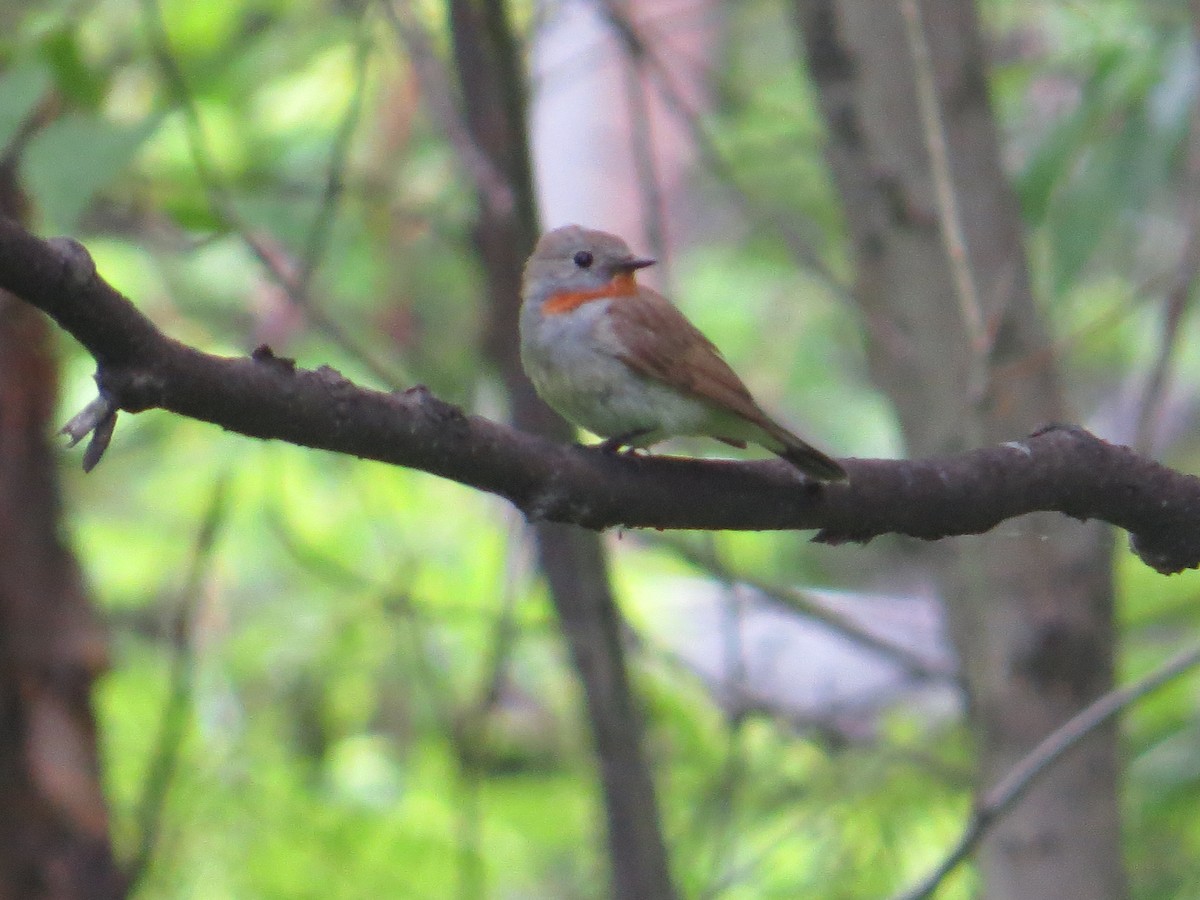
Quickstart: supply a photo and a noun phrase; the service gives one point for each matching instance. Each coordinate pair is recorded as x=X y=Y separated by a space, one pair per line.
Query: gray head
x=574 y=259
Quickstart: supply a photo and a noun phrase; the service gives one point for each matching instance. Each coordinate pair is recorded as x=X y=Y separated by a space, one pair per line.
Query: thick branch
x=1059 y=469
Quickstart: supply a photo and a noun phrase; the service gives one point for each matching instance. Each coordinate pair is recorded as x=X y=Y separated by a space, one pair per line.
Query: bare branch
x=317 y=242
x=913 y=663
x=221 y=199
x=172 y=727
x=1180 y=291
x=1059 y=469
x=949 y=217
x=641 y=53
x=1012 y=787
x=641 y=138
x=490 y=183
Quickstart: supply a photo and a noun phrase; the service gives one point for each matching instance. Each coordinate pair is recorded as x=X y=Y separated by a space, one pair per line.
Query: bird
x=620 y=360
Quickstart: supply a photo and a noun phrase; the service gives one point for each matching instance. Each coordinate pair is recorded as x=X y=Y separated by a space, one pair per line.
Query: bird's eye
x=584 y=259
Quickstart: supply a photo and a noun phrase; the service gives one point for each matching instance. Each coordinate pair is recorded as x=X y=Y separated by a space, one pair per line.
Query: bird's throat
x=623 y=284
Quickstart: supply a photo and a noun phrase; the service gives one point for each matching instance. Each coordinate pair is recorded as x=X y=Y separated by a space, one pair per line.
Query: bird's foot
x=614 y=444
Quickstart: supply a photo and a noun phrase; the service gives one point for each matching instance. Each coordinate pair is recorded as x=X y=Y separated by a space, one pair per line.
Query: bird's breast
x=561 y=303
x=572 y=339
x=575 y=361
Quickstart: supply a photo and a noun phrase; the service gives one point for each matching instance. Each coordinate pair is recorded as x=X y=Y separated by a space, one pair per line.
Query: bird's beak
x=633 y=263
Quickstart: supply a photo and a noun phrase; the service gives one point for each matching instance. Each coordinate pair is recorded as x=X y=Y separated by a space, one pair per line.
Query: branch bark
x=1059 y=469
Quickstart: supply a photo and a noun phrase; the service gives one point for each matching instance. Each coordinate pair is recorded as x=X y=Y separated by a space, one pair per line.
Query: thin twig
x=396 y=600
x=173 y=725
x=471 y=728
x=493 y=188
x=996 y=802
x=913 y=664
x=653 y=207
x=1180 y=293
x=520 y=561
x=218 y=195
x=733 y=768
x=319 y=233
x=444 y=702
x=949 y=216
x=675 y=101
x=223 y=204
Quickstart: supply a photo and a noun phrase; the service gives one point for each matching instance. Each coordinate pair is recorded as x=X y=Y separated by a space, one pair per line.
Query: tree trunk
x=573 y=559
x=1030 y=606
x=53 y=820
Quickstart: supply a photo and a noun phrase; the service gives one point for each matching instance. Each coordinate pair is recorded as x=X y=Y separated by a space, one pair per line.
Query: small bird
x=621 y=361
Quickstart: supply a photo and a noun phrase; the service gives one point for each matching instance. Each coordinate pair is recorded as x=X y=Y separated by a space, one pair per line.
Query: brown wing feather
x=662 y=344
x=665 y=346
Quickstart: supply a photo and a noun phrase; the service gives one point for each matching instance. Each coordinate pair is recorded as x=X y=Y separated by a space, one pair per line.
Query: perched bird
x=620 y=360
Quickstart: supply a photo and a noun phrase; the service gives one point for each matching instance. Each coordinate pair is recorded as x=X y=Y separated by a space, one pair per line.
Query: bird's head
x=572 y=265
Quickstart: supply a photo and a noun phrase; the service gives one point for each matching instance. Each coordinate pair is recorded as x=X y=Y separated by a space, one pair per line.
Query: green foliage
x=1163 y=778
x=350 y=620
x=21 y=88
x=56 y=149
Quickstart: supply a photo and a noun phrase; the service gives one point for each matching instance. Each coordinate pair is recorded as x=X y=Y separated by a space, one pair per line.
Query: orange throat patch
x=623 y=284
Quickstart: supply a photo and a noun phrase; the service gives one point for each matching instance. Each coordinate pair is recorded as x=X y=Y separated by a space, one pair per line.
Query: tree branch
x=1009 y=790
x=1060 y=468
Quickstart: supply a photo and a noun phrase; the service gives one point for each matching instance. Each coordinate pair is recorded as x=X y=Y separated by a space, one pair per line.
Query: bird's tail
x=805 y=457
x=813 y=463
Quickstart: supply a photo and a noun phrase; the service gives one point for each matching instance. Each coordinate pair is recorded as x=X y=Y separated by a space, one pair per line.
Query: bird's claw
x=614 y=444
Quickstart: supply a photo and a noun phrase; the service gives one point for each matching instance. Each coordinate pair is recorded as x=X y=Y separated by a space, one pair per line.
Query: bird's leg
x=616 y=442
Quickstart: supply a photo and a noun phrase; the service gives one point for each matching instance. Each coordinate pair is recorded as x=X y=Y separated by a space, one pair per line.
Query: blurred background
x=244 y=669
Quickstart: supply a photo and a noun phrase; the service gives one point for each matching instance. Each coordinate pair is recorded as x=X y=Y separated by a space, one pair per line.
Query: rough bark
x=572 y=559
x=53 y=820
x=1031 y=608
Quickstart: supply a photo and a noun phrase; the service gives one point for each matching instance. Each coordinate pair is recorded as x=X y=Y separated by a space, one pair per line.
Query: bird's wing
x=660 y=343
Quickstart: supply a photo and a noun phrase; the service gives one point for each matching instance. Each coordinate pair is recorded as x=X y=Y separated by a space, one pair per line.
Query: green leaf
x=74 y=158
x=21 y=89
x=72 y=75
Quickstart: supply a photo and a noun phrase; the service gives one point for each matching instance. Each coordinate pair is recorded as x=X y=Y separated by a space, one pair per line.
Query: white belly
x=572 y=361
